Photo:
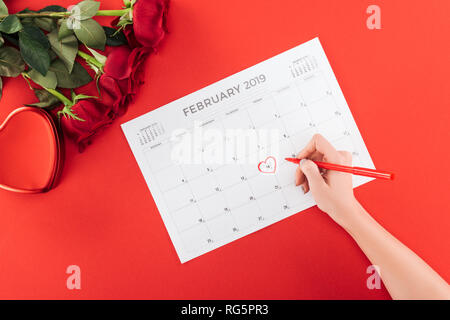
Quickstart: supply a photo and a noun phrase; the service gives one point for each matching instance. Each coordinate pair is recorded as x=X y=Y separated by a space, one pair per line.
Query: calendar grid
x=205 y=205
x=277 y=115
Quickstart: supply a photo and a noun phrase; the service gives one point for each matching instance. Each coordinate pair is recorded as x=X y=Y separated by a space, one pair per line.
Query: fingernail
x=302 y=162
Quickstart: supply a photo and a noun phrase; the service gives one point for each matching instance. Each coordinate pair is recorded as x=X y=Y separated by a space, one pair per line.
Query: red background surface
x=103 y=218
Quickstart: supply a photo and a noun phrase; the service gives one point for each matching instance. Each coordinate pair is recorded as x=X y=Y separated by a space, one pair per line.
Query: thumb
x=312 y=173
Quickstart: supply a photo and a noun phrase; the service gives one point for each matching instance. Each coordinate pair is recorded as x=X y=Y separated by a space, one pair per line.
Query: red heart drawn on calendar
x=268 y=166
x=30 y=151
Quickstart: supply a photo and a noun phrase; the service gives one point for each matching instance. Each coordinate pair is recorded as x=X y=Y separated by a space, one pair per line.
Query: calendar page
x=214 y=159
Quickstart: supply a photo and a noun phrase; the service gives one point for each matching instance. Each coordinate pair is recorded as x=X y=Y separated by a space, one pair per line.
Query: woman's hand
x=405 y=275
x=332 y=190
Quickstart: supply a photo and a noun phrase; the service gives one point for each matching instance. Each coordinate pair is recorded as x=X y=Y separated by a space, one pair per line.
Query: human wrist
x=348 y=213
x=359 y=222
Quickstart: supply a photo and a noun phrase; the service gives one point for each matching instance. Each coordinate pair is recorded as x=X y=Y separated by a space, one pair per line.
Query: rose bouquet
x=53 y=49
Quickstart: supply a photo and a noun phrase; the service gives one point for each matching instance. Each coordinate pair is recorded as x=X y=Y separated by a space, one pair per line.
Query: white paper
x=207 y=205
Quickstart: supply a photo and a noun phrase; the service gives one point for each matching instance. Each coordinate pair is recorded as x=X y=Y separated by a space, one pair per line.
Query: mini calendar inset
x=213 y=160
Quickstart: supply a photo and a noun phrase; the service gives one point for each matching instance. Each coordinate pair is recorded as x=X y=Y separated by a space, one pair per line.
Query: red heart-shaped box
x=31 y=153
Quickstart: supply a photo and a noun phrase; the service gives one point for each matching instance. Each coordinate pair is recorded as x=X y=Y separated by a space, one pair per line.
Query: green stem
x=106 y=13
x=111 y=13
x=27 y=77
x=39 y=14
x=60 y=96
x=54 y=92
x=90 y=59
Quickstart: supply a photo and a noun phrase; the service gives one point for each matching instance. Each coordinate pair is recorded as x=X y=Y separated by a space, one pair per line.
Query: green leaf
x=48 y=81
x=64 y=30
x=114 y=37
x=53 y=8
x=48 y=24
x=12 y=38
x=11 y=24
x=98 y=56
x=36 y=35
x=46 y=99
x=93 y=67
x=26 y=10
x=34 y=47
x=11 y=63
x=78 y=97
x=27 y=20
x=2 y=41
x=65 y=48
x=3 y=8
x=52 y=55
x=79 y=76
x=85 y=10
x=91 y=34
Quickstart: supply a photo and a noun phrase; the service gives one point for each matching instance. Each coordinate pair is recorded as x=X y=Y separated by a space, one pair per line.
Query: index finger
x=320 y=144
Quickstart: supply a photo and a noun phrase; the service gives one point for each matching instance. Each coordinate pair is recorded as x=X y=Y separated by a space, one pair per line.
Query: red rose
x=122 y=77
x=129 y=34
x=118 y=85
x=117 y=65
x=149 y=23
x=95 y=116
x=112 y=95
x=135 y=60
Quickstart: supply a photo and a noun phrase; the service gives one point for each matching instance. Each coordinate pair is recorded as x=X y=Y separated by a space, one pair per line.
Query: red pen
x=353 y=170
